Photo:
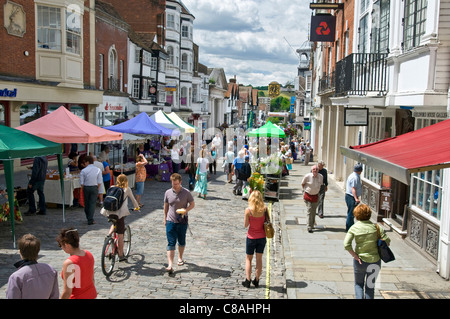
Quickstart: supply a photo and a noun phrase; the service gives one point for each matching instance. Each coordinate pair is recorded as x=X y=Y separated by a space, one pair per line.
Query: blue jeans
x=175 y=232
x=365 y=276
x=351 y=204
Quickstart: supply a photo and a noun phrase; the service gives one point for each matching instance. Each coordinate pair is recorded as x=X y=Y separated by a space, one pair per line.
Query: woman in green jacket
x=367 y=262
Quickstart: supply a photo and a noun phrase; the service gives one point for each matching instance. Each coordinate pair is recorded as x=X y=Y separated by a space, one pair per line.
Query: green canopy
x=18 y=144
x=267 y=130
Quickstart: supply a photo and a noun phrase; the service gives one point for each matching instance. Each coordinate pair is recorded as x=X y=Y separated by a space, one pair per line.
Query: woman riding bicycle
x=120 y=214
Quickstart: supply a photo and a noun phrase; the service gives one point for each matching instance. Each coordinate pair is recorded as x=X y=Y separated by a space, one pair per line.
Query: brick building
x=49 y=52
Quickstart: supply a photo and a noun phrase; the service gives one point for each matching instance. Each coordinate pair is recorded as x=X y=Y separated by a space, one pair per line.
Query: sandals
x=180 y=262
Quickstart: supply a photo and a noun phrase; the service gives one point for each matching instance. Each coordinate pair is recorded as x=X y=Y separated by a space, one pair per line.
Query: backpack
x=114 y=198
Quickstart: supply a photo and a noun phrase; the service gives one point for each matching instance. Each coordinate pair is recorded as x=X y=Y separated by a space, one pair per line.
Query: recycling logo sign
x=323 y=28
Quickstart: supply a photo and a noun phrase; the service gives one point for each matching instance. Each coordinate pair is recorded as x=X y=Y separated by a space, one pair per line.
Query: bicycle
x=110 y=251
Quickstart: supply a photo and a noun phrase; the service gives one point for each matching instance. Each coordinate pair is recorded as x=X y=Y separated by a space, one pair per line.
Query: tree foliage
x=280 y=104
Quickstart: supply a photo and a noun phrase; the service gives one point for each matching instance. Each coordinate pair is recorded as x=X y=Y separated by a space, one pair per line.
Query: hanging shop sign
x=356 y=116
x=323 y=28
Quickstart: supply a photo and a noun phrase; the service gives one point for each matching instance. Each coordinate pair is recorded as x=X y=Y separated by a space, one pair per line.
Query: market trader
x=90 y=180
x=36 y=183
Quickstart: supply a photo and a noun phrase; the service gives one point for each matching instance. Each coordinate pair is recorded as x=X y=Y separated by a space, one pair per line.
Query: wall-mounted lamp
x=26 y=53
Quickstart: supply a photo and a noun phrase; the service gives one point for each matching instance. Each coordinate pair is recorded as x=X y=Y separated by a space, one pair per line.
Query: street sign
x=323 y=28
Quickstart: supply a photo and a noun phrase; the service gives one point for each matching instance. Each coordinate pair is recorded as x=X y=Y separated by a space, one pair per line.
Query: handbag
x=310 y=198
x=197 y=177
x=268 y=227
x=384 y=251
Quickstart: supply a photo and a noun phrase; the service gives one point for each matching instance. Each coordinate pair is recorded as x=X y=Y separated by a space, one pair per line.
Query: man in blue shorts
x=176 y=224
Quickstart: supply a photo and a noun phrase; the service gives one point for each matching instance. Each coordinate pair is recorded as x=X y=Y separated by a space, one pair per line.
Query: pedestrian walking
x=255 y=215
x=78 y=269
x=201 y=186
x=106 y=173
x=307 y=151
x=212 y=160
x=32 y=280
x=191 y=167
x=353 y=191
x=141 y=176
x=311 y=186
x=237 y=163
x=178 y=201
x=101 y=190
x=119 y=215
x=229 y=158
x=323 y=187
x=90 y=180
x=36 y=183
x=245 y=172
x=366 y=260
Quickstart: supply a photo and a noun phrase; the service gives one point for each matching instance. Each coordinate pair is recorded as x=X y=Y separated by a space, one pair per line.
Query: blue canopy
x=143 y=124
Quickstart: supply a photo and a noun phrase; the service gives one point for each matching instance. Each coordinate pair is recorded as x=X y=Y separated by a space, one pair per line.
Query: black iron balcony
x=360 y=73
x=326 y=83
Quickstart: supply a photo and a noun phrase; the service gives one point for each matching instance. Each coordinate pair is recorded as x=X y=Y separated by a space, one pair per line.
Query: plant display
x=256 y=182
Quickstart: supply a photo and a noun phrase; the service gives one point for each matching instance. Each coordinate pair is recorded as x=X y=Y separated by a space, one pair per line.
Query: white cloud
x=249 y=38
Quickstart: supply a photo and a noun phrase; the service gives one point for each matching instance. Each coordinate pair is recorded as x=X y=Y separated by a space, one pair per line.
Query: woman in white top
x=123 y=211
x=202 y=174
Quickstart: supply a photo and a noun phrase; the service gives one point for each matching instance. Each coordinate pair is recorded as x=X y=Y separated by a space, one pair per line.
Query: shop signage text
x=8 y=93
x=109 y=107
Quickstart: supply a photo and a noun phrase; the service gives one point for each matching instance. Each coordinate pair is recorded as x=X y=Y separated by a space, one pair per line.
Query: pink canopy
x=62 y=126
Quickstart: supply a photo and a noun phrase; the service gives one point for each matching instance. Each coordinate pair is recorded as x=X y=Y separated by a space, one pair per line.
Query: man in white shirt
x=90 y=180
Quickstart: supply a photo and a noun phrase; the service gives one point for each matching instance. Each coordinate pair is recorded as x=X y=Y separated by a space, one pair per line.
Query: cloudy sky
x=249 y=38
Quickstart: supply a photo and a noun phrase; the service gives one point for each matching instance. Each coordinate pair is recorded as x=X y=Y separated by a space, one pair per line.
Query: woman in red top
x=78 y=269
x=256 y=236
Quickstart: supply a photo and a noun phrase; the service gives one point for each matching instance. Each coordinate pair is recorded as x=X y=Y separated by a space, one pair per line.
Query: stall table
x=131 y=176
x=52 y=190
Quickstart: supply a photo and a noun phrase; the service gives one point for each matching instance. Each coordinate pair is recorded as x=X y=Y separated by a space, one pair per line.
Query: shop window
x=30 y=112
x=184 y=93
x=79 y=111
x=426 y=192
x=3 y=111
x=53 y=107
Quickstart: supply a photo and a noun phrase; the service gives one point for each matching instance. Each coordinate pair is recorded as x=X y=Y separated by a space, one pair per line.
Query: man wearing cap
x=353 y=191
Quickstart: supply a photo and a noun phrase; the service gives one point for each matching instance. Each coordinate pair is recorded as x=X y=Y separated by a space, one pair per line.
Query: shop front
x=423 y=173
x=25 y=102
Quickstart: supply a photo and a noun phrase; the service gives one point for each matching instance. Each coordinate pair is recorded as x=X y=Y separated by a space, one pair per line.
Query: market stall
x=143 y=124
x=62 y=126
x=17 y=144
x=188 y=128
x=270 y=167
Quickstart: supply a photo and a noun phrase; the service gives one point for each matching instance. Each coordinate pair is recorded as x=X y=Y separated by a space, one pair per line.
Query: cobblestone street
x=215 y=249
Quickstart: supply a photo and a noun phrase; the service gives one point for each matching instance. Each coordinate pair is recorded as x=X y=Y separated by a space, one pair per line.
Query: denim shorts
x=175 y=232
x=139 y=188
x=257 y=245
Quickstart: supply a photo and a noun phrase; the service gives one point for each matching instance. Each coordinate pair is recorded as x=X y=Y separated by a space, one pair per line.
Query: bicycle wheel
x=108 y=256
x=127 y=241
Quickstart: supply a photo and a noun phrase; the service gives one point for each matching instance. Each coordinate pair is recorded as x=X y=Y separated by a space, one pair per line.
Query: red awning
x=421 y=150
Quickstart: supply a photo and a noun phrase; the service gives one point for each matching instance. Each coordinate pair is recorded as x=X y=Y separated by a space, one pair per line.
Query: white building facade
x=399 y=72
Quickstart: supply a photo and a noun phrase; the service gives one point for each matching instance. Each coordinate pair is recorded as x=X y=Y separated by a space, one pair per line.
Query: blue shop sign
x=8 y=93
